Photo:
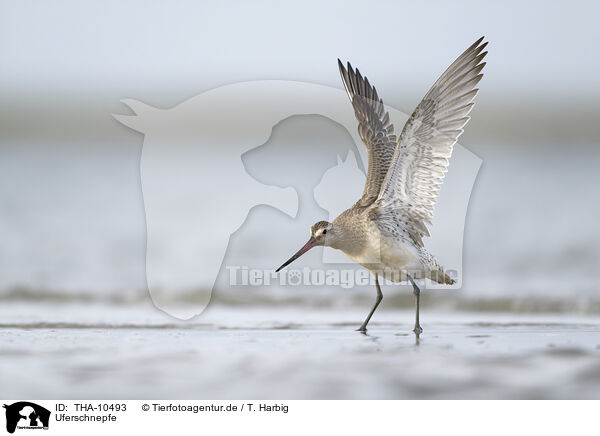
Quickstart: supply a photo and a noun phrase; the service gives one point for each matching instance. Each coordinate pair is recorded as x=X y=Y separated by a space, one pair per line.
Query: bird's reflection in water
x=370 y=337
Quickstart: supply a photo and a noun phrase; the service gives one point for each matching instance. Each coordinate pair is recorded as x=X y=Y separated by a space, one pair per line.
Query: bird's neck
x=347 y=240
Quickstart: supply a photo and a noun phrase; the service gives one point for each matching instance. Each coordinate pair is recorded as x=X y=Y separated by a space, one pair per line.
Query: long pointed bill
x=310 y=244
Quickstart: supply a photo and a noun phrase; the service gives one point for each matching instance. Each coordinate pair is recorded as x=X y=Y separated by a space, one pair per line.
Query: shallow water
x=531 y=238
x=77 y=351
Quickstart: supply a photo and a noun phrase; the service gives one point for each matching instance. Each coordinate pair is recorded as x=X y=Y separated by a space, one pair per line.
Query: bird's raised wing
x=420 y=160
x=374 y=128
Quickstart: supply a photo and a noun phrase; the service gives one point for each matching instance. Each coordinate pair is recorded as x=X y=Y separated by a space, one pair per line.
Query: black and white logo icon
x=26 y=415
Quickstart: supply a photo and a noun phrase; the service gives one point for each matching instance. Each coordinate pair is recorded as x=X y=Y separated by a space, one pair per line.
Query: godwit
x=384 y=230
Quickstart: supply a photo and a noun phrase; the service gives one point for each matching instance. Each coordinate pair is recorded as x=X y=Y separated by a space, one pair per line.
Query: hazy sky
x=73 y=46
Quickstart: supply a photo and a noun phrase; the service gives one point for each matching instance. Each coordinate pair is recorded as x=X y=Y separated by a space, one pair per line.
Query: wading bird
x=384 y=230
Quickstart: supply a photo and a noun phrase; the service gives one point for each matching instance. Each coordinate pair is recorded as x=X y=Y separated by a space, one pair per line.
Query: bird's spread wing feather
x=374 y=128
x=420 y=160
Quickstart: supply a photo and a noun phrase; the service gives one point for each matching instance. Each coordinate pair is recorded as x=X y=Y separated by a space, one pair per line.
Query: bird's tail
x=440 y=276
x=433 y=269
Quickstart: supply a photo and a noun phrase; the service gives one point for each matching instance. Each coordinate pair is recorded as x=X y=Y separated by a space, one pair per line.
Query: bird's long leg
x=418 y=330
x=363 y=327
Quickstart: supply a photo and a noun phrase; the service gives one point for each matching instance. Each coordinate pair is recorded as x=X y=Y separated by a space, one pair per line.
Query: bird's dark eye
x=324 y=231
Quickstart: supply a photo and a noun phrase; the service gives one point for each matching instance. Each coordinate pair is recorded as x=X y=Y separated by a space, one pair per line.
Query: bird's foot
x=418 y=330
x=362 y=329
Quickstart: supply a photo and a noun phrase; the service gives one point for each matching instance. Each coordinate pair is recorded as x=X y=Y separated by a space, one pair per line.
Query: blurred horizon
x=54 y=117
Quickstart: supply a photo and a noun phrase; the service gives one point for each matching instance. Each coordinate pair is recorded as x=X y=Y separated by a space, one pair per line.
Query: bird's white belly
x=398 y=255
x=381 y=254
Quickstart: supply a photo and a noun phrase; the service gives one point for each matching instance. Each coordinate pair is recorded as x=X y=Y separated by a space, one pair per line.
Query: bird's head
x=322 y=233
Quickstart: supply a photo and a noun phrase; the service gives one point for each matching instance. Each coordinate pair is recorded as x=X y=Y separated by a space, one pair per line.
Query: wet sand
x=77 y=351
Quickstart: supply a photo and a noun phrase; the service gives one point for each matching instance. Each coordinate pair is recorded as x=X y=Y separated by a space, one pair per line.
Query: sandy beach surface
x=80 y=351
